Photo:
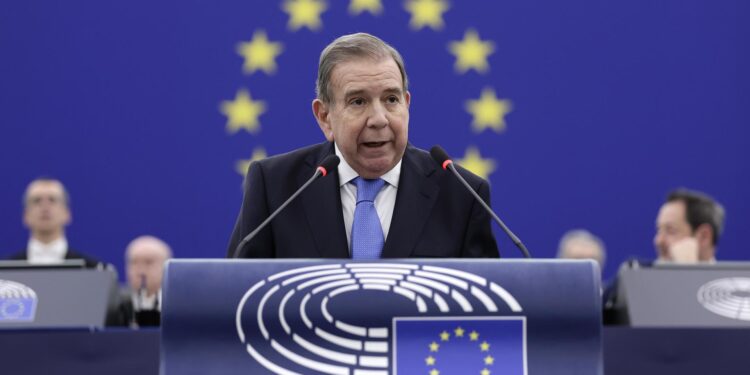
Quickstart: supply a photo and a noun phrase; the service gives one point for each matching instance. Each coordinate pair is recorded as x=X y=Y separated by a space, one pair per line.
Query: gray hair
x=350 y=47
x=582 y=235
x=159 y=243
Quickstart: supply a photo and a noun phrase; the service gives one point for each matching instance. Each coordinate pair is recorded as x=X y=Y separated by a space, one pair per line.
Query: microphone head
x=330 y=162
x=440 y=156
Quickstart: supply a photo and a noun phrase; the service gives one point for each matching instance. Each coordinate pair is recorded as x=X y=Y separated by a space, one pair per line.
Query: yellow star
x=434 y=346
x=481 y=167
x=485 y=346
x=471 y=53
x=259 y=53
x=484 y=372
x=356 y=7
x=488 y=360
x=488 y=111
x=434 y=372
x=430 y=361
x=304 y=13
x=459 y=332
x=243 y=112
x=243 y=164
x=426 y=13
x=474 y=336
x=445 y=336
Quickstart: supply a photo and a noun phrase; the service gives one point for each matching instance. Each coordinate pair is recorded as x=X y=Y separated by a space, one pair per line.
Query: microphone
x=442 y=158
x=330 y=162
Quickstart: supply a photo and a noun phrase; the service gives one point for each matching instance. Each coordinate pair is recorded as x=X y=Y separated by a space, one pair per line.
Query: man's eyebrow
x=394 y=90
x=355 y=92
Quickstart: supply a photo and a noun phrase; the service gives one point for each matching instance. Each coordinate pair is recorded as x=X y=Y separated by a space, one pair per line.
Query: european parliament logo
x=727 y=297
x=17 y=302
x=382 y=318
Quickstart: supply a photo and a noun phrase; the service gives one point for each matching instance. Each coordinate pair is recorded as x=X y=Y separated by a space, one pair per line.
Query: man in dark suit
x=386 y=199
x=46 y=214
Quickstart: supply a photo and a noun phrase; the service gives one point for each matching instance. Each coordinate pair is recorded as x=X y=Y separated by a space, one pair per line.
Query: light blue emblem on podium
x=17 y=302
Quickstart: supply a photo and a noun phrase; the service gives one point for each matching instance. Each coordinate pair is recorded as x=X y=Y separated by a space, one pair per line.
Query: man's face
x=368 y=117
x=46 y=210
x=671 y=227
x=146 y=259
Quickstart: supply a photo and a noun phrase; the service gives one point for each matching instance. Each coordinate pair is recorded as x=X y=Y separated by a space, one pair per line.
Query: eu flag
x=458 y=345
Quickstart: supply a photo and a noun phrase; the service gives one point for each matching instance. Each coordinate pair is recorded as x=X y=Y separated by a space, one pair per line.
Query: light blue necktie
x=367 y=235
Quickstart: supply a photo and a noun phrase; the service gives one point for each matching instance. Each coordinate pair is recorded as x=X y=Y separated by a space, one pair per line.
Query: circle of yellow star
x=434 y=346
x=259 y=53
x=474 y=336
x=434 y=372
x=471 y=52
x=426 y=13
x=489 y=360
x=485 y=346
x=304 y=13
x=356 y=7
x=430 y=361
x=488 y=111
x=485 y=372
x=445 y=336
x=459 y=332
x=243 y=112
x=242 y=165
x=473 y=161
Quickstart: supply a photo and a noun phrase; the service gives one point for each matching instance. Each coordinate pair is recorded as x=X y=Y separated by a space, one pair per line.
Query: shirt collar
x=53 y=250
x=347 y=173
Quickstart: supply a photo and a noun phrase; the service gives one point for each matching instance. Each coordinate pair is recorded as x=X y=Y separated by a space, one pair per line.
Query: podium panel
x=671 y=295
x=55 y=298
x=416 y=316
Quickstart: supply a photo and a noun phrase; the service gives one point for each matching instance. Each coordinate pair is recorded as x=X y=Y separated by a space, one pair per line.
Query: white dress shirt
x=385 y=201
x=47 y=253
x=142 y=301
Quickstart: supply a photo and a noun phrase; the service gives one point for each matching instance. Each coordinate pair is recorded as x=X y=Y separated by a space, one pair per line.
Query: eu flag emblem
x=460 y=345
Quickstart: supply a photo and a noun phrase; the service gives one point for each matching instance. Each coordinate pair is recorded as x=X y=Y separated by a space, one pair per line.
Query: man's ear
x=407 y=98
x=704 y=234
x=68 y=217
x=321 y=111
x=26 y=218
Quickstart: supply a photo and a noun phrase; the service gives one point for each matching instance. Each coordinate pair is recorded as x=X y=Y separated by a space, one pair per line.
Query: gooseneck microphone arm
x=442 y=158
x=325 y=166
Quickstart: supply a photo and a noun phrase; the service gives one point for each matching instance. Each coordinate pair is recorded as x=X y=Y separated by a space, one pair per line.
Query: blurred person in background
x=144 y=261
x=688 y=227
x=46 y=214
x=582 y=244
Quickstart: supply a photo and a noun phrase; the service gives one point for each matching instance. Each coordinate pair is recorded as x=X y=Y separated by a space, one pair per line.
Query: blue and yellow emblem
x=459 y=345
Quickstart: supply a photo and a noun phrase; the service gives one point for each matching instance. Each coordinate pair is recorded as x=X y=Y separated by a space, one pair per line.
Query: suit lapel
x=322 y=204
x=417 y=193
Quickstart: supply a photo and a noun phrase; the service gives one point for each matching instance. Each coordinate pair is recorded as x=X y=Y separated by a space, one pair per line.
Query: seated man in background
x=46 y=214
x=581 y=244
x=688 y=228
x=144 y=261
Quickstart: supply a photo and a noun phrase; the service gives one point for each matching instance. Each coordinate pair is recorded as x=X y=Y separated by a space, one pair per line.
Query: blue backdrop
x=592 y=110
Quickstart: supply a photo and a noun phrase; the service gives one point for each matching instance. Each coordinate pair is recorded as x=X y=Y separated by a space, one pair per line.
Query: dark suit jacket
x=70 y=254
x=434 y=215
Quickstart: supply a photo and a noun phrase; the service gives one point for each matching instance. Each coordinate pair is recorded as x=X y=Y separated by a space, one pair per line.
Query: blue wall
x=614 y=104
